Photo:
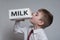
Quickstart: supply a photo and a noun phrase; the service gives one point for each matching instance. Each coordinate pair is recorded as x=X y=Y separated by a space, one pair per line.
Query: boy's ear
x=41 y=22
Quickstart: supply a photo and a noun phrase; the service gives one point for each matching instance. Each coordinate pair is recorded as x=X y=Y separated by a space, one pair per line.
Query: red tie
x=29 y=34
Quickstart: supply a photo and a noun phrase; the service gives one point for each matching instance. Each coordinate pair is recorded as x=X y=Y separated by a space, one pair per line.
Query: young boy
x=40 y=20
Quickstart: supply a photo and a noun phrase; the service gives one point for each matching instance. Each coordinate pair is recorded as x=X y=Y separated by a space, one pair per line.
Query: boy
x=40 y=20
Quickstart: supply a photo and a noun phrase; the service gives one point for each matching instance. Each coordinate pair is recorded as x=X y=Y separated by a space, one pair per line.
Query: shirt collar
x=37 y=30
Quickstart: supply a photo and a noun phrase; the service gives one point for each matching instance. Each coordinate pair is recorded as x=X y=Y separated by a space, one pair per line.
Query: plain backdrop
x=6 y=25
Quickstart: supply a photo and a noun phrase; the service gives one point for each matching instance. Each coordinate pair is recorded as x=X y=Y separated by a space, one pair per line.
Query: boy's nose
x=33 y=14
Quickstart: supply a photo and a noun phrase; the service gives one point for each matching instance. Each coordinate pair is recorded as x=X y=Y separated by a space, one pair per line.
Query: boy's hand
x=18 y=20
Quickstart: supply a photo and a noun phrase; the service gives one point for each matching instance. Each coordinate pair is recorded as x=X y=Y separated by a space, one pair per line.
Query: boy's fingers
x=17 y=20
x=23 y=19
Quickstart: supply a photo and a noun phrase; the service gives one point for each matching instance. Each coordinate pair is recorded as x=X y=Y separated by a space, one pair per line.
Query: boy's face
x=36 y=18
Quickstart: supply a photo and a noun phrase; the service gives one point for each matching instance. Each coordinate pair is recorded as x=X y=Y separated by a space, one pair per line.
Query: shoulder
x=41 y=34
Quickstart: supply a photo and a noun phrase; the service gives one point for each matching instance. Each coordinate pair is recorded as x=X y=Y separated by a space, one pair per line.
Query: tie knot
x=31 y=31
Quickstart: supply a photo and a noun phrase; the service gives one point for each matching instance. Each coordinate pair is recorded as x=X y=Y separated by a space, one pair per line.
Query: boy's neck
x=37 y=27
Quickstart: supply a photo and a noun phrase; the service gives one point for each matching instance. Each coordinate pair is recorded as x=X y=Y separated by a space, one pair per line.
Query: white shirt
x=37 y=34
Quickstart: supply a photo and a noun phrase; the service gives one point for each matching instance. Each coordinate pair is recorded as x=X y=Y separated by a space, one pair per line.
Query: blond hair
x=47 y=17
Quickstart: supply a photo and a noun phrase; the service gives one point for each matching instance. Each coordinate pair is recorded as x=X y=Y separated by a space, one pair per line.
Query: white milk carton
x=20 y=13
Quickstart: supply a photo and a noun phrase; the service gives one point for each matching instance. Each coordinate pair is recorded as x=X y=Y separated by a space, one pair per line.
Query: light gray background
x=6 y=26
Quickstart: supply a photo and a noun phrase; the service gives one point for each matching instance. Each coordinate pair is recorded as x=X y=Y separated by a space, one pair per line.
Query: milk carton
x=20 y=13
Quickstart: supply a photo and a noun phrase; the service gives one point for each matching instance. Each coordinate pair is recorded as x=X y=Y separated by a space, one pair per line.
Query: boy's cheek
x=33 y=20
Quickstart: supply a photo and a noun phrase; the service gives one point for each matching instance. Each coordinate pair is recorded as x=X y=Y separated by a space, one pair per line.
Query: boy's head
x=42 y=18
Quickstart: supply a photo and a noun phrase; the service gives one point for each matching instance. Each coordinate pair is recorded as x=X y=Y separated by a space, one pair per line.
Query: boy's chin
x=31 y=21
